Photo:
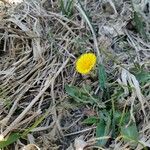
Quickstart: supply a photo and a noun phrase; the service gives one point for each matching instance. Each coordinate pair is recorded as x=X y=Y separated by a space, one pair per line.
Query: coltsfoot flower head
x=85 y=63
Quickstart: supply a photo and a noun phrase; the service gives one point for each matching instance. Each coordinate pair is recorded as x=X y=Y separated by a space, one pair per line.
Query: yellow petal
x=85 y=63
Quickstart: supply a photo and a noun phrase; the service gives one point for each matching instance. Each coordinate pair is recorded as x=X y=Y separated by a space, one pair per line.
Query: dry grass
x=38 y=48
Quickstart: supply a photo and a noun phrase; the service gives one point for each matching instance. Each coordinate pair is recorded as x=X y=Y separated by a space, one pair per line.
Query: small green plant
x=142 y=75
x=111 y=121
x=139 y=23
x=14 y=136
x=103 y=127
x=66 y=7
x=130 y=133
x=4 y=98
x=83 y=95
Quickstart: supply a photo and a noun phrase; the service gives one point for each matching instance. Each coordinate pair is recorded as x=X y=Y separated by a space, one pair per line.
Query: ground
x=45 y=103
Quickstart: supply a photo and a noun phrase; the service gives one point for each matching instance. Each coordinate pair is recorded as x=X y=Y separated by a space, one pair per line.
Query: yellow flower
x=85 y=63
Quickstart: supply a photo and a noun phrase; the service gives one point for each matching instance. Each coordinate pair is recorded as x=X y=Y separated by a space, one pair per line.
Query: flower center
x=87 y=64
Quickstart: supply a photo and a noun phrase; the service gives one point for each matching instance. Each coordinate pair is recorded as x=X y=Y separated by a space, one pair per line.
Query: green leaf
x=130 y=133
x=117 y=116
x=80 y=95
x=143 y=76
x=124 y=119
x=139 y=24
x=103 y=128
x=66 y=7
x=10 y=139
x=35 y=124
x=91 y=120
x=83 y=95
x=73 y=92
x=102 y=76
x=100 y=132
x=86 y=88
